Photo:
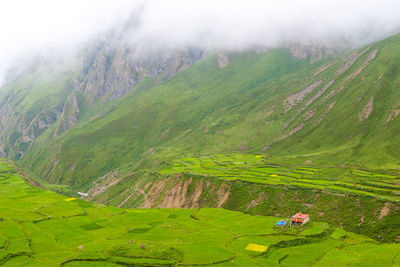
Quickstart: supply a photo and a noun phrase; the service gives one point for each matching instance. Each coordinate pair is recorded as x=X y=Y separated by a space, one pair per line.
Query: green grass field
x=257 y=169
x=41 y=228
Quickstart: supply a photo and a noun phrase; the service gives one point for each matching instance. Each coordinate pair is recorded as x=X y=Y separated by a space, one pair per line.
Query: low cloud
x=31 y=27
x=238 y=24
x=53 y=26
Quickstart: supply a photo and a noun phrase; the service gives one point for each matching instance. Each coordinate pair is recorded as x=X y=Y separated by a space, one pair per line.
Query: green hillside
x=156 y=117
x=41 y=228
x=264 y=133
x=340 y=111
x=255 y=169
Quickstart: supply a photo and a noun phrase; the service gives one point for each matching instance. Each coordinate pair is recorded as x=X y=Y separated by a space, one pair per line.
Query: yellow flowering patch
x=255 y=247
x=70 y=199
x=258 y=156
x=273 y=175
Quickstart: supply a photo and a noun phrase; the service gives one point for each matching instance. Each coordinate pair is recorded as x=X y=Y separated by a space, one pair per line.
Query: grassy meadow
x=41 y=228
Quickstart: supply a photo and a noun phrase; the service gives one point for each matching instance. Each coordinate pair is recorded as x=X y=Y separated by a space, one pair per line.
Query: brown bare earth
x=367 y=110
x=385 y=210
x=173 y=193
x=309 y=102
x=309 y=114
x=156 y=190
x=353 y=75
x=393 y=114
x=223 y=194
x=351 y=60
x=268 y=112
x=72 y=167
x=223 y=60
x=292 y=132
x=293 y=99
x=265 y=148
x=331 y=93
x=103 y=183
x=319 y=93
x=377 y=79
x=371 y=56
x=324 y=68
x=362 y=220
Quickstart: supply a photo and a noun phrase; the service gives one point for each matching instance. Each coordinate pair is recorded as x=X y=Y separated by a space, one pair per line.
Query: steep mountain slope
x=170 y=115
x=58 y=92
x=337 y=111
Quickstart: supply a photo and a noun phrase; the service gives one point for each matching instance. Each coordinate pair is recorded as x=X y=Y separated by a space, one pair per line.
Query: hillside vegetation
x=41 y=228
x=255 y=169
x=340 y=111
x=262 y=132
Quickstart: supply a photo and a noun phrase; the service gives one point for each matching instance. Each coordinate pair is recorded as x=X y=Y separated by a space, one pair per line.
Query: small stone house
x=300 y=218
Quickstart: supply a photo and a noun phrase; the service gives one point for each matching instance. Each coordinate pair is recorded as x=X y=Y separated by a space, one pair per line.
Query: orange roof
x=300 y=216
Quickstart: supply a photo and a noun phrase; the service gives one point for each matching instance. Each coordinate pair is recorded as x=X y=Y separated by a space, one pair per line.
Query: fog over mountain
x=58 y=27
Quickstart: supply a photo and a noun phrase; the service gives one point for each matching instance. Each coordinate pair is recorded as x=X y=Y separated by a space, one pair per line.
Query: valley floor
x=41 y=228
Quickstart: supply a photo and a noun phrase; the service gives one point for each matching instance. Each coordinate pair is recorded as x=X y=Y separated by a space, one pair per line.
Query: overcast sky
x=32 y=26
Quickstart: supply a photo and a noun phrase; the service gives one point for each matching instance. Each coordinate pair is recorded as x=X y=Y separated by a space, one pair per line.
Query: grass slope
x=41 y=228
x=337 y=111
x=256 y=169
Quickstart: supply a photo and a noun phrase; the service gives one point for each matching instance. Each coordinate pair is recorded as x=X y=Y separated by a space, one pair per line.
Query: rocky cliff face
x=303 y=49
x=106 y=69
x=112 y=75
x=26 y=113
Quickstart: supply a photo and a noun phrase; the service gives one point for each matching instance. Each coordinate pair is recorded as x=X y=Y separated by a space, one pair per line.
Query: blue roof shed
x=281 y=223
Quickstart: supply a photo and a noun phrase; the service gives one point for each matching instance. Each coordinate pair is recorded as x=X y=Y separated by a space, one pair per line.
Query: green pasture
x=257 y=169
x=41 y=228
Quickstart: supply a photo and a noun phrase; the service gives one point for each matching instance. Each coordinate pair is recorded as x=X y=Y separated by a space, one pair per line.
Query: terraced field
x=41 y=228
x=256 y=169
